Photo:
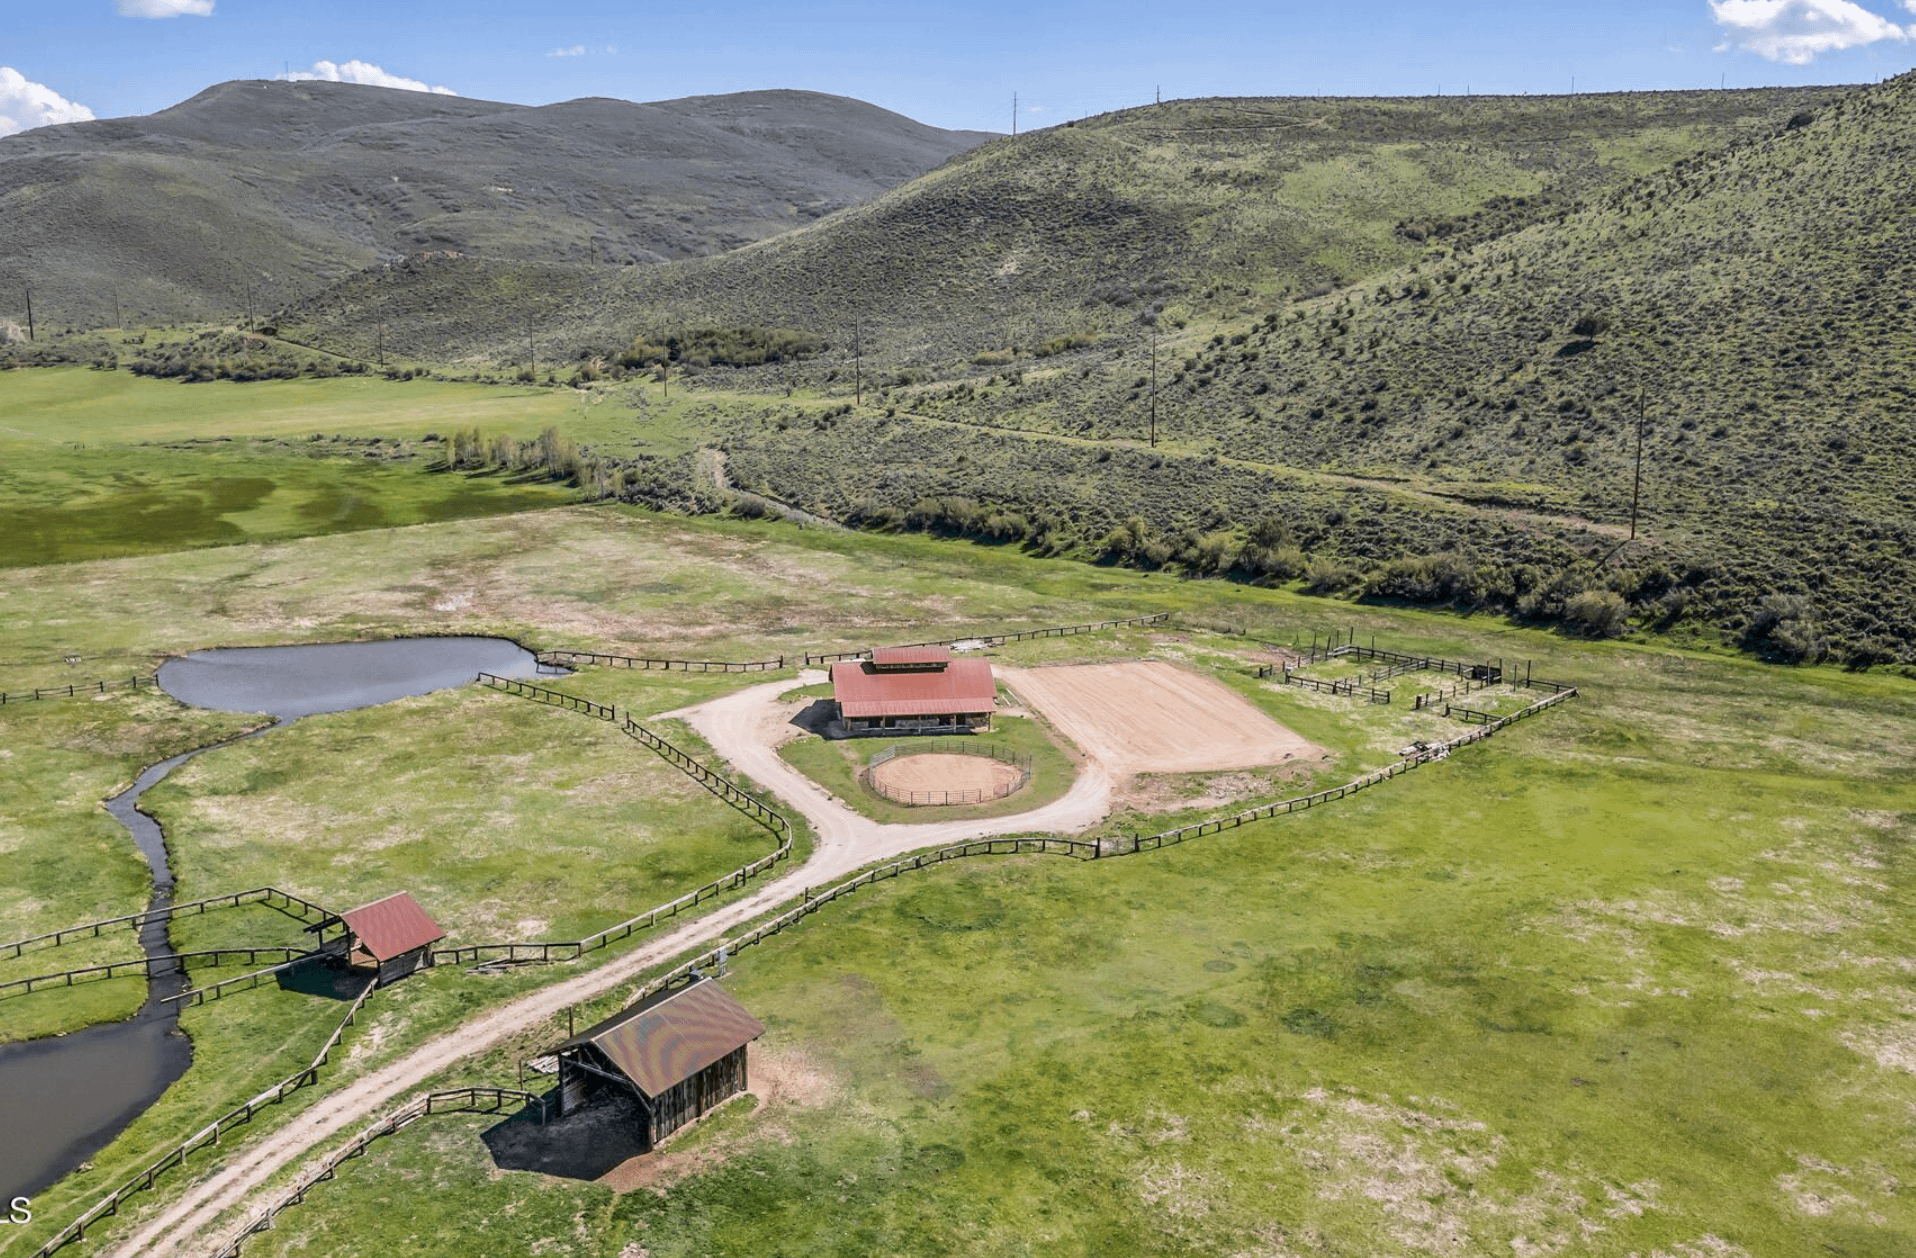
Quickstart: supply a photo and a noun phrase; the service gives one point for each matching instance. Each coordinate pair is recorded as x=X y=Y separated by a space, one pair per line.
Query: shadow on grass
x=322 y=977
x=586 y=1144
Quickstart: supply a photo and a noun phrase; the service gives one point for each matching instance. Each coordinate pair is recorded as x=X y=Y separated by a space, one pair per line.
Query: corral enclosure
x=1150 y=716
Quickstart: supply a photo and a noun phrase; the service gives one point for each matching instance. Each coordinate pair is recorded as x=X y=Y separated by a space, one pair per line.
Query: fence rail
x=1350 y=687
x=242 y=982
x=947 y=747
x=150 y=966
x=717 y=783
x=1080 y=849
x=808 y=659
x=238 y=1116
x=96 y=687
x=475 y=1100
x=1302 y=802
x=641 y=662
x=272 y=897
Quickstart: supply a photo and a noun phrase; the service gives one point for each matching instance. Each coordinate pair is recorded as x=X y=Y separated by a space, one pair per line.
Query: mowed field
x=1150 y=716
x=1630 y=978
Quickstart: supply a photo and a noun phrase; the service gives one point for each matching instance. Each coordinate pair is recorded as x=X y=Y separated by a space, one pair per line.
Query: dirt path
x=745 y=728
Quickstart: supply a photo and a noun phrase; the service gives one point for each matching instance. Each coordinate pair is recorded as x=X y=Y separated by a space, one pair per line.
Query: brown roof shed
x=392 y=927
x=668 y=1037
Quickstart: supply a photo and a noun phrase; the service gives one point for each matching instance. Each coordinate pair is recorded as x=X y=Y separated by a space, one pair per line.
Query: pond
x=63 y=1098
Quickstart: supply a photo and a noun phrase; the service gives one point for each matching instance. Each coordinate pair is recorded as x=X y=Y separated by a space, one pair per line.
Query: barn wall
x=691 y=1099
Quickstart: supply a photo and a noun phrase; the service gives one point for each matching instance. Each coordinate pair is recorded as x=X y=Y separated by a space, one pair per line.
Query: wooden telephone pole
x=1154 y=386
x=858 y=359
x=29 y=313
x=1636 y=487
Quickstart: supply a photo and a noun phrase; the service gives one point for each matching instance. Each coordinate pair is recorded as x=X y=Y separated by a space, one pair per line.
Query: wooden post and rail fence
x=291 y=905
x=475 y=1100
x=807 y=659
x=717 y=783
x=75 y=689
x=151 y=966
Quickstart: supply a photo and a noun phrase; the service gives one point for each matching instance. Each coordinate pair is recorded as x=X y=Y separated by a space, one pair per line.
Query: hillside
x=1759 y=297
x=287 y=187
x=1194 y=209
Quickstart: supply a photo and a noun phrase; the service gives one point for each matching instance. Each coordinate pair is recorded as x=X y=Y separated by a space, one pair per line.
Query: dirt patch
x=937 y=778
x=782 y=1080
x=1152 y=717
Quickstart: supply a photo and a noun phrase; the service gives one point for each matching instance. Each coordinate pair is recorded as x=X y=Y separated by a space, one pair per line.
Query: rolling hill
x=1199 y=209
x=1757 y=299
x=284 y=188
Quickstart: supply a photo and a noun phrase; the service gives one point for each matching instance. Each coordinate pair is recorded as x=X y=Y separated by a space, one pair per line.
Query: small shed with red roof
x=680 y=1052
x=391 y=937
x=914 y=689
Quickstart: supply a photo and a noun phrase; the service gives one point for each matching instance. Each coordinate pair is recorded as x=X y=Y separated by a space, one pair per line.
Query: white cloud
x=577 y=50
x=25 y=104
x=364 y=72
x=1797 y=31
x=164 y=8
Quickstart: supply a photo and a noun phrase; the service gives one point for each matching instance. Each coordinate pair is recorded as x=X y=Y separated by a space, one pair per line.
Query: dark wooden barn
x=389 y=938
x=681 y=1053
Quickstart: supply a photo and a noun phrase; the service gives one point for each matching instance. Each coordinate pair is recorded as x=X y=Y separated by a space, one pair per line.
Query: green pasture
x=1625 y=977
x=509 y=820
x=1623 y=980
x=98 y=464
x=67 y=860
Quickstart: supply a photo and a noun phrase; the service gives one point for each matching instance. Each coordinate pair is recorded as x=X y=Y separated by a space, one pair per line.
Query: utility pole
x=1160 y=92
x=382 y=342
x=858 y=359
x=532 y=354
x=1636 y=488
x=1014 y=113
x=119 y=320
x=29 y=313
x=1154 y=386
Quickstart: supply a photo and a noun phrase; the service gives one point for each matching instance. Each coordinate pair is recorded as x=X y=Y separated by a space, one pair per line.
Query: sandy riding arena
x=1153 y=717
x=937 y=778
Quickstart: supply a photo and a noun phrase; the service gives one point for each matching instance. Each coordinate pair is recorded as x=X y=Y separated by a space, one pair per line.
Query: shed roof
x=910 y=656
x=668 y=1037
x=961 y=686
x=390 y=927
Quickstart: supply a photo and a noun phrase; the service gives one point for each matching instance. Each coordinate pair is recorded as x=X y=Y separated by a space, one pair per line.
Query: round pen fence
x=1017 y=781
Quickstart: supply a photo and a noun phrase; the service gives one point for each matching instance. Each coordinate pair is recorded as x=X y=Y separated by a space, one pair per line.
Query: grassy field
x=67 y=860
x=1624 y=978
x=449 y=796
x=837 y=765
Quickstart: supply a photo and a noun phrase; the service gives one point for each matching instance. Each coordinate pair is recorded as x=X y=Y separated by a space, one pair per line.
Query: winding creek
x=63 y=1098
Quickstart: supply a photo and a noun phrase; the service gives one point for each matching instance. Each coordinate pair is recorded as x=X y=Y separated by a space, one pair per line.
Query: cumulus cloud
x=164 y=8
x=577 y=50
x=25 y=104
x=364 y=72
x=1798 y=31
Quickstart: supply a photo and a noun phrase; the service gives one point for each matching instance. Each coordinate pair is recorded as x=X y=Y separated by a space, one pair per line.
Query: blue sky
x=954 y=66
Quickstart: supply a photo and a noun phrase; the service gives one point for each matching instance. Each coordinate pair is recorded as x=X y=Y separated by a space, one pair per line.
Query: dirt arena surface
x=937 y=772
x=1152 y=717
